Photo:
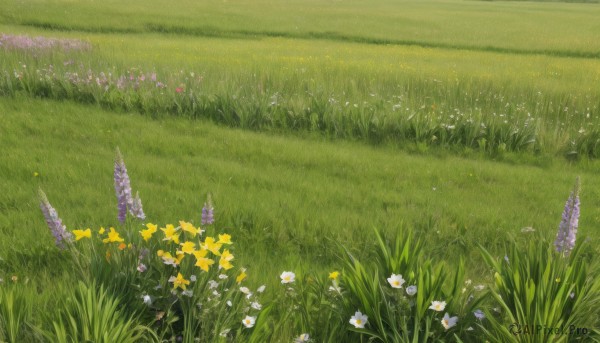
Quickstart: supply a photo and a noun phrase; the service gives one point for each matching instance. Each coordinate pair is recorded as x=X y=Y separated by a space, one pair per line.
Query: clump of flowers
x=59 y=231
x=26 y=43
x=123 y=190
x=567 y=230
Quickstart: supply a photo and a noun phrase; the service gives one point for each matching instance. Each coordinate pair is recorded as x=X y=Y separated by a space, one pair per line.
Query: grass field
x=311 y=124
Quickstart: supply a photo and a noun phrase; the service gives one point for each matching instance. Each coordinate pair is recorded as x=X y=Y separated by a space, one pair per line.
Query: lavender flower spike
x=136 y=209
x=59 y=231
x=567 y=230
x=122 y=187
x=207 y=211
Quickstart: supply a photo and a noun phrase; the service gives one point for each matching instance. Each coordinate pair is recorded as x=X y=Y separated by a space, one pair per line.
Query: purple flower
x=567 y=230
x=207 y=212
x=479 y=314
x=141 y=268
x=136 y=209
x=122 y=187
x=59 y=231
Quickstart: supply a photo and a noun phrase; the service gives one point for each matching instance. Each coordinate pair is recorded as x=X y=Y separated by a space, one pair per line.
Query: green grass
x=510 y=26
x=284 y=198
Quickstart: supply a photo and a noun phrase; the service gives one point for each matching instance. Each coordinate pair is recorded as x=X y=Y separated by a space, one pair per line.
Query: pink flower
x=179 y=89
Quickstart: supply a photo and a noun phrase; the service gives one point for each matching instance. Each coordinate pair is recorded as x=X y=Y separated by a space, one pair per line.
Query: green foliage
x=536 y=286
x=15 y=312
x=92 y=314
x=394 y=314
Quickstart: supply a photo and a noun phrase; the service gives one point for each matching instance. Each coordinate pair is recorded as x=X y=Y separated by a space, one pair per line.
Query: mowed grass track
x=285 y=200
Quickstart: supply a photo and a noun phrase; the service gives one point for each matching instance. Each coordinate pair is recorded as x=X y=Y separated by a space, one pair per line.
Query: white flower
x=479 y=287
x=261 y=289
x=188 y=292
x=222 y=276
x=224 y=332
x=359 y=320
x=437 y=306
x=212 y=284
x=396 y=281
x=245 y=290
x=216 y=294
x=302 y=338
x=193 y=278
x=411 y=290
x=468 y=282
x=448 y=321
x=229 y=303
x=249 y=321
x=256 y=305
x=287 y=277
x=147 y=300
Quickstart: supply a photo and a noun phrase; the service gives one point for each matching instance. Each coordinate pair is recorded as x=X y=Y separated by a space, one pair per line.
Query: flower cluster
x=26 y=43
x=567 y=230
x=123 y=190
x=59 y=231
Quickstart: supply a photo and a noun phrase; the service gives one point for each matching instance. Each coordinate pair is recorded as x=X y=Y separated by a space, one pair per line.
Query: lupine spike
x=208 y=211
x=136 y=209
x=567 y=230
x=122 y=187
x=59 y=231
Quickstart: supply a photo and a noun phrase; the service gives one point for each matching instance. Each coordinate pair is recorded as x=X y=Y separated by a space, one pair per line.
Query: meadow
x=343 y=141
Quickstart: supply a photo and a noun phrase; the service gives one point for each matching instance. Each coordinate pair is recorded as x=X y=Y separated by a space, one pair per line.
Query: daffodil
x=170 y=234
x=188 y=247
x=287 y=277
x=179 y=281
x=188 y=227
x=437 y=306
x=101 y=231
x=224 y=262
x=359 y=320
x=241 y=277
x=224 y=239
x=212 y=246
x=79 y=234
x=334 y=275
x=113 y=236
x=201 y=260
x=396 y=281
x=147 y=234
x=448 y=321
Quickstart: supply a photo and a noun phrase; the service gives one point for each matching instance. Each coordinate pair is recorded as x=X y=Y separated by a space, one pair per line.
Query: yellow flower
x=160 y=253
x=224 y=239
x=188 y=247
x=201 y=260
x=101 y=231
x=225 y=258
x=179 y=281
x=204 y=263
x=188 y=227
x=334 y=275
x=241 y=277
x=179 y=256
x=113 y=236
x=200 y=253
x=210 y=245
x=147 y=234
x=170 y=234
x=79 y=234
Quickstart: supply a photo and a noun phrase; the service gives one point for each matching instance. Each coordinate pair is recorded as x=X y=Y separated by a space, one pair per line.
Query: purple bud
x=207 y=212
x=136 y=209
x=567 y=230
x=59 y=231
x=122 y=187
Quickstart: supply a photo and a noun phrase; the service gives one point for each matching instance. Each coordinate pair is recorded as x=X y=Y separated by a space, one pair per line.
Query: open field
x=312 y=124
